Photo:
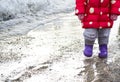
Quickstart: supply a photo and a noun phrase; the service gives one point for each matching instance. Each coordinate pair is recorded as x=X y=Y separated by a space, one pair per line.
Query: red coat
x=97 y=12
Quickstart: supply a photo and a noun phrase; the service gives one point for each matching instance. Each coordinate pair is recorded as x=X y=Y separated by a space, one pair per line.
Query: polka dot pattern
x=76 y=11
x=90 y=22
x=109 y=24
x=102 y=1
x=91 y=10
x=113 y=2
x=97 y=13
x=119 y=9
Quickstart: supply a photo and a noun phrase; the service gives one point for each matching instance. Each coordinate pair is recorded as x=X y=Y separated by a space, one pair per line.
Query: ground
x=52 y=51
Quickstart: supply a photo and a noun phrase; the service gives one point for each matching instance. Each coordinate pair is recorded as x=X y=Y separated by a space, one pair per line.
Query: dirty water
x=53 y=53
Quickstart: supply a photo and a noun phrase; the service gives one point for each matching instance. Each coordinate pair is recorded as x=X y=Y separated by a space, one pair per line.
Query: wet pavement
x=52 y=52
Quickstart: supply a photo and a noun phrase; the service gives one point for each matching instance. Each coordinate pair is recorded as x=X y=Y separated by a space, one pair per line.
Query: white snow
x=43 y=47
x=11 y=8
x=47 y=42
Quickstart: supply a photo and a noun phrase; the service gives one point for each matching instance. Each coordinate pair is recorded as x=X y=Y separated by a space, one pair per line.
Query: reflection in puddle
x=97 y=70
x=89 y=70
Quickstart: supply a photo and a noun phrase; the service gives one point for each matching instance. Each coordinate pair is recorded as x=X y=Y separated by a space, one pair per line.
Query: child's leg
x=103 y=36
x=103 y=39
x=89 y=35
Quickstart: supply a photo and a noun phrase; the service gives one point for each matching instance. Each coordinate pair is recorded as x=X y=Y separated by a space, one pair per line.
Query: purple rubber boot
x=103 y=51
x=88 y=51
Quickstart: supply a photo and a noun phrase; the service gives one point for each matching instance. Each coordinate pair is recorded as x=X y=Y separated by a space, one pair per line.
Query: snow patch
x=11 y=8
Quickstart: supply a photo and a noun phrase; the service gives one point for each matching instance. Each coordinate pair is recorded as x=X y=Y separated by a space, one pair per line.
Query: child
x=97 y=17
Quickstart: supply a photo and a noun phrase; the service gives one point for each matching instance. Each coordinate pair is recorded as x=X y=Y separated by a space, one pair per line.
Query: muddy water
x=53 y=53
x=72 y=66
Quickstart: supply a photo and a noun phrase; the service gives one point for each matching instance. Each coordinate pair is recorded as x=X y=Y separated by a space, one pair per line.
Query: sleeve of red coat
x=80 y=7
x=115 y=7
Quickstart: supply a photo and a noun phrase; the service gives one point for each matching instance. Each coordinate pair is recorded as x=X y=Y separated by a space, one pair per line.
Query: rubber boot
x=88 y=51
x=103 y=51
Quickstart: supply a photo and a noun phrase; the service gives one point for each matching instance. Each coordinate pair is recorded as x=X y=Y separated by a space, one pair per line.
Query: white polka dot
x=113 y=2
x=101 y=13
x=102 y=1
x=108 y=15
x=76 y=11
x=85 y=14
x=109 y=24
x=85 y=3
x=90 y=22
x=119 y=9
x=100 y=27
x=91 y=10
